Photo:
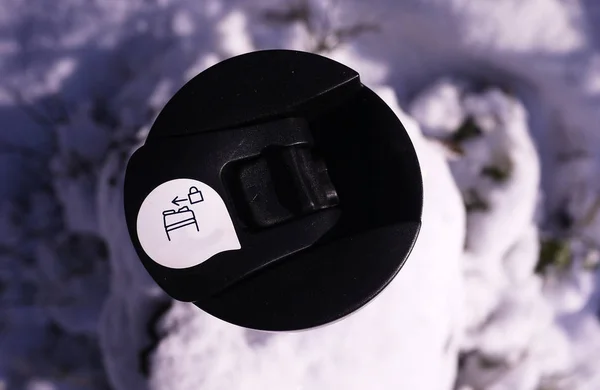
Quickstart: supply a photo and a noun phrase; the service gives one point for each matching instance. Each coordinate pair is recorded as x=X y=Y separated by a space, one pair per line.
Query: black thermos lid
x=275 y=192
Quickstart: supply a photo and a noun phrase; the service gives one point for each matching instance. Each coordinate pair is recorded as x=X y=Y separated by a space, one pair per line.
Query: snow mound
x=411 y=329
x=516 y=334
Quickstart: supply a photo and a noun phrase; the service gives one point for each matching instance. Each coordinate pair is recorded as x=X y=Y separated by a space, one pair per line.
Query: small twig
x=591 y=215
x=324 y=36
x=344 y=33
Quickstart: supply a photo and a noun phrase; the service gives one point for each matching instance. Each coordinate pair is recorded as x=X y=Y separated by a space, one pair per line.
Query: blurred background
x=501 y=99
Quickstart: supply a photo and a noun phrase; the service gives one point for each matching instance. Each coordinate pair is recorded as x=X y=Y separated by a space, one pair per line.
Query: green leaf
x=474 y=201
x=554 y=253
x=468 y=130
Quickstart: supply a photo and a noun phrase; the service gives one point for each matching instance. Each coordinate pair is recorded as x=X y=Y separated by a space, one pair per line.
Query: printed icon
x=187 y=230
x=194 y=196
x=173 y=220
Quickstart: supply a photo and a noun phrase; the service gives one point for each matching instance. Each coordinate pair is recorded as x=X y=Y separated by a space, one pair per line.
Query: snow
x=412 y=325
x=501 y=100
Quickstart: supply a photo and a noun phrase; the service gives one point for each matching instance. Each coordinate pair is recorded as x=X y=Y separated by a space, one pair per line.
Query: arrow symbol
x=176 y=201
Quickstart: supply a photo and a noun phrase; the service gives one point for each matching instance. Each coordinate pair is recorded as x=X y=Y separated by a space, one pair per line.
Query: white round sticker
x=184 y=222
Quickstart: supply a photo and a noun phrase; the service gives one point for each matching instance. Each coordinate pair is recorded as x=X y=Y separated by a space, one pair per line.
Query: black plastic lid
x=275 y=191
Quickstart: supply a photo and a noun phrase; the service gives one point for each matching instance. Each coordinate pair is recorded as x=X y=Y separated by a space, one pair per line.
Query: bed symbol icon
x=173 y=220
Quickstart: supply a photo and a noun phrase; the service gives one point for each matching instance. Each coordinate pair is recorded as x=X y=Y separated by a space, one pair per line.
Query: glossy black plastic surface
x=318 y=174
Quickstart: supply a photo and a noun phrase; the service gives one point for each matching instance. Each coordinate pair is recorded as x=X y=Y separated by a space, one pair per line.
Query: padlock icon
x=195 y=196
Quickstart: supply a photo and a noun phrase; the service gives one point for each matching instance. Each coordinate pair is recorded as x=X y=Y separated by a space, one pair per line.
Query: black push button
x=301 y=179
x=275 y=191
x=280 y=184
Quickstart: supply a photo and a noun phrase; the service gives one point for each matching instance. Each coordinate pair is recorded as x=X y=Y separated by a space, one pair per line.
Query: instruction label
x=184 y=222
